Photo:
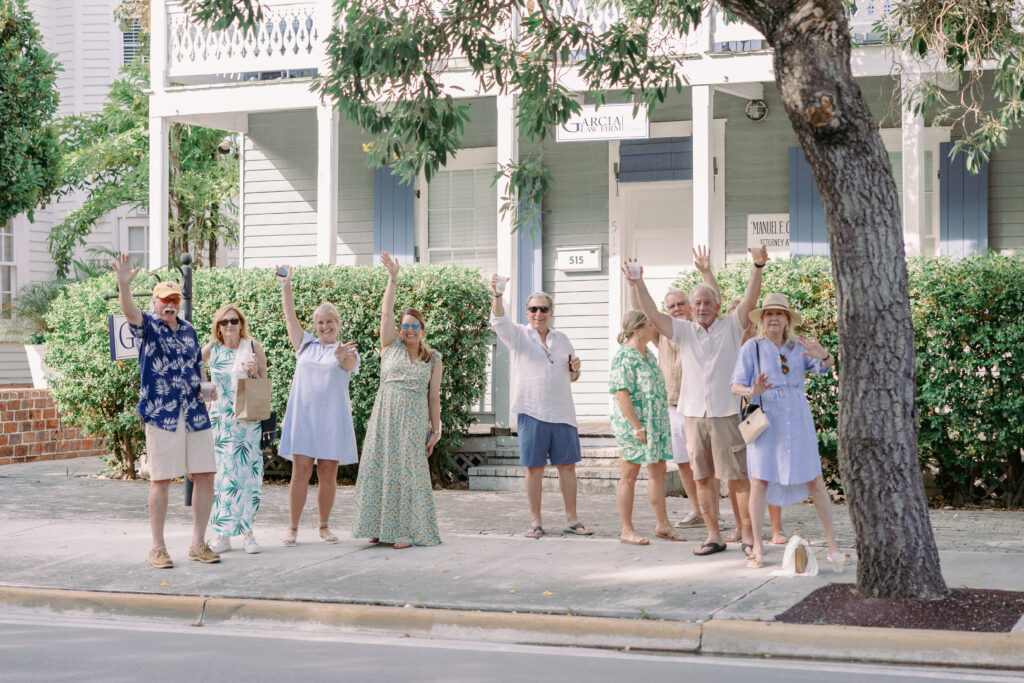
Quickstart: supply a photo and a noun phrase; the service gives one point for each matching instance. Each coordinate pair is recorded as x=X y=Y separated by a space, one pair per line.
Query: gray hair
x=542 y=295
x=706 y=288
x=631 y=322
x=675 y=290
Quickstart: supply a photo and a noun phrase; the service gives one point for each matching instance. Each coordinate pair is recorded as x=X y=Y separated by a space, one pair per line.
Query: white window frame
x=8 y=260
x=471 y=159
x=933 y=136
x=124 y=225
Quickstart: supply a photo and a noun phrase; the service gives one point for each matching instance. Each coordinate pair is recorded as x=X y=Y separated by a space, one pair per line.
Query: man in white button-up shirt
x=708 y=347
x=544 y=363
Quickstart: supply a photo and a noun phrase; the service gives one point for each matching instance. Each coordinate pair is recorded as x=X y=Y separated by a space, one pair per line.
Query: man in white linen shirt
x=545 y=363
x=708 y=347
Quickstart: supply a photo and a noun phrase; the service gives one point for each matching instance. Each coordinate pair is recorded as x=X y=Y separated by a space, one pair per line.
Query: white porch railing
x=291 y=37
x=863 y=16
x=485 y=406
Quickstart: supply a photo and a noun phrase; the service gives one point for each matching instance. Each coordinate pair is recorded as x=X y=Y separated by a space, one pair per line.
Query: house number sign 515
x=577 y=259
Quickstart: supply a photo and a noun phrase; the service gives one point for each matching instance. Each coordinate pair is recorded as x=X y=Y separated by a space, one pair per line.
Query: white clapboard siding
x=355 y=198
x=578 y=206
x=14 y=365
x=1006 y=195
x=280 y=189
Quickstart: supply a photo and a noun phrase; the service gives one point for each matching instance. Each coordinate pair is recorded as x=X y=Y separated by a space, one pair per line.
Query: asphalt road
x=40 y=646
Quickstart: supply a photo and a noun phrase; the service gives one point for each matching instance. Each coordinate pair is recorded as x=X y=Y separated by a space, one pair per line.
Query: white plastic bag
x=789 y=558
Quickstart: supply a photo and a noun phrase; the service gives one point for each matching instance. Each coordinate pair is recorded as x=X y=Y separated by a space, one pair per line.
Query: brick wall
x=31 y=429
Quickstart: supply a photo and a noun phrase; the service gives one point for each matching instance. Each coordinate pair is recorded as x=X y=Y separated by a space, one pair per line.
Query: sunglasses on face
x=411 y=326
x=171 y=299
x=785 y=368
x=228 y=321
x=534 y=309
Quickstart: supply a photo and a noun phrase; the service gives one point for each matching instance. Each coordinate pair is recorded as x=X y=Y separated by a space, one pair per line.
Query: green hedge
x=100 y=396
x=969 y=332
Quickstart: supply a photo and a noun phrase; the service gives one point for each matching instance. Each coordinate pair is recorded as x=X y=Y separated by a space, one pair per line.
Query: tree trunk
x=878 y=419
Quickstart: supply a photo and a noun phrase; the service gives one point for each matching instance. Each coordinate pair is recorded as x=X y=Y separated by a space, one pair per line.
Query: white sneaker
x=250 y=544
x=689 y=521
x=220 y=544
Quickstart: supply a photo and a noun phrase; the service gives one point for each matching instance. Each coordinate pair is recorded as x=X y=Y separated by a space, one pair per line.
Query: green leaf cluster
x=100 y=396
x=29 y=149
x=969 y=337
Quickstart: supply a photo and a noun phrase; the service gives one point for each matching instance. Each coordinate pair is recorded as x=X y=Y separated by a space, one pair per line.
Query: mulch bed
x=964 y=609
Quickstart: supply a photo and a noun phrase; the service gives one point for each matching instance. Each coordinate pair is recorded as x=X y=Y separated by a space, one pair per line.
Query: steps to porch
x=493 y=461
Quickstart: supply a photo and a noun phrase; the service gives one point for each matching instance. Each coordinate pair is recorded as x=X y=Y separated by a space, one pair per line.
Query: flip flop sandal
x=290 y=537
x=709 y=549
x=755 y=562
x=535 y=532
x=578 y=530
x=634 y=541
x=669 y=536
x=328 y=537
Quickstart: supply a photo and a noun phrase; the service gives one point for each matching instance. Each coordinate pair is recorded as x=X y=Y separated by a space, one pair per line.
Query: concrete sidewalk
x=63 y=528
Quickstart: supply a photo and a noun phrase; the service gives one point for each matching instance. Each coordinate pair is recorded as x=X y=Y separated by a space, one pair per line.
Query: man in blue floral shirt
x=178 y=436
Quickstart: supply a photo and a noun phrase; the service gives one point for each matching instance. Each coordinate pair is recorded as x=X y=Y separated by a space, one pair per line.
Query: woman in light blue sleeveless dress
x=318 y=420
x=394 y=497
x=238 y=486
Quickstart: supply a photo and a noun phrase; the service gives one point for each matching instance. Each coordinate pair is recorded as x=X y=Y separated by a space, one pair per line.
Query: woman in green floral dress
x=394 y=498
x=238 y=486
x=640 y=425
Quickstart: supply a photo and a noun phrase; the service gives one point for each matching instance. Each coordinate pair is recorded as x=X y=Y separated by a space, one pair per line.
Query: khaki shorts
x=172 y=454
x=716 y=447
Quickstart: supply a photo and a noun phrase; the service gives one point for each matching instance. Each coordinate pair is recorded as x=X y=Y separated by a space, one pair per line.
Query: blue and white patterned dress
x=318 y=420
x=786 y=454
x=238 y=486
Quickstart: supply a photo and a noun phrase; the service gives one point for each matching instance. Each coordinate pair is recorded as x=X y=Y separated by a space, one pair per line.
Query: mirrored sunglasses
x=411 y=326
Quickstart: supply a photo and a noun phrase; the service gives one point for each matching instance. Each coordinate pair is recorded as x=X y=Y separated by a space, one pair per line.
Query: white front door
x=659 y=232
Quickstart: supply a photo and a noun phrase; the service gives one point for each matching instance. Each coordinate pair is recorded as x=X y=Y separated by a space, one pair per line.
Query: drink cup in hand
x=499 y=284
x=634 y=270
x=206 y=391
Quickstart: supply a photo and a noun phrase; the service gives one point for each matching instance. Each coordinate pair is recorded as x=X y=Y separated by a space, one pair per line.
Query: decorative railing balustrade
x=290 y=37
x=738 y=35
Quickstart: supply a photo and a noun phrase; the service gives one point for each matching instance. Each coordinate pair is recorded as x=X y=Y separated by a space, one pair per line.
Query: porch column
x=326 y=184
x=915 y=226
x=159 y=180
x=703 y=105
x=508 y=152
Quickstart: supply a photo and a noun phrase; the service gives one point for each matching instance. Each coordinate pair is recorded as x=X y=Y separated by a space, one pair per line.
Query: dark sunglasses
x=534 y=309
x=785 y=368
x=414 y=326
x=228 y=321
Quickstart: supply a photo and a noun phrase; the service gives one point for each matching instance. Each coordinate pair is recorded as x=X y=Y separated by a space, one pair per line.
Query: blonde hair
x=328 y=309
x=631 y=322
x=215 y=335
x=424 y=350
x=787 y=334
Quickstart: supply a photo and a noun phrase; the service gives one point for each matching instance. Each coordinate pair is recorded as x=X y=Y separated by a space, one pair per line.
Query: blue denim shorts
x=537 y=439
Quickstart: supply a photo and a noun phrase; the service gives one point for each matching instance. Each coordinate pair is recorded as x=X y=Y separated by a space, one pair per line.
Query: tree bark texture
x=878 y=419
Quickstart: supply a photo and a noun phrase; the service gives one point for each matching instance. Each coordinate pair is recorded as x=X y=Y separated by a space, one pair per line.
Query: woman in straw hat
x=783 y=462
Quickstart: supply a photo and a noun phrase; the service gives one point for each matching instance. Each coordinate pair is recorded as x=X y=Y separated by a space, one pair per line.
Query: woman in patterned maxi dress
x=394 y=497
x=783 y=462
x=640 y=425
x=238 y=486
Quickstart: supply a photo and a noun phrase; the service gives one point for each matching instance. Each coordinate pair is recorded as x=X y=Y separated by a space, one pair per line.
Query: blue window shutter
x=963 y=205
x=655 y=159
x=808 y=232
x=393 y=216
x=529 y=274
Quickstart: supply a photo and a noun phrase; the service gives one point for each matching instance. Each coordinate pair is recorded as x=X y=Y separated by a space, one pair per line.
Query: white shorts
x=676 y=421
x=172 y=454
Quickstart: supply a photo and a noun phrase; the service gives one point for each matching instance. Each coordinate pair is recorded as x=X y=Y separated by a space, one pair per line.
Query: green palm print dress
x=239 y=482
x=394 y=498
x=643 y=379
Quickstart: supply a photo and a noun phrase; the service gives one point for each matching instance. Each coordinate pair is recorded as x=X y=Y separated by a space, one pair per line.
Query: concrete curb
x=716 y=637
x=904 y=646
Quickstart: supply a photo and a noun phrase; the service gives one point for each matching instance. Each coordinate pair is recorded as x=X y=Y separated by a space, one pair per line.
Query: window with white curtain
x=6 y=270
x=462 y=218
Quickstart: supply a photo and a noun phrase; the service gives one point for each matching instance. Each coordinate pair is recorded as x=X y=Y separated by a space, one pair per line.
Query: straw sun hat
x=776 y=302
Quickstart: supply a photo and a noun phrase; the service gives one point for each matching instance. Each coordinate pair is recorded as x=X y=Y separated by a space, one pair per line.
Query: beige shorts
x=716 y=447
x=172 y=454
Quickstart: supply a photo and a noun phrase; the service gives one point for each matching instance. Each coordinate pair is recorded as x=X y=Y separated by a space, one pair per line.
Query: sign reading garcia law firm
x=769 y=230
x=123 y=344
x=609 y=122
